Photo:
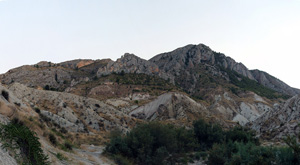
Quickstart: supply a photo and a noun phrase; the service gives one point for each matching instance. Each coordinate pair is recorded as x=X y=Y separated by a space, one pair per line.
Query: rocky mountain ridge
x=188 y=62
x=86 y=99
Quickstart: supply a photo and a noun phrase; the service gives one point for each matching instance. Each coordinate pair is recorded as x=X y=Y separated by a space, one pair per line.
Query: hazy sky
x=262 y=34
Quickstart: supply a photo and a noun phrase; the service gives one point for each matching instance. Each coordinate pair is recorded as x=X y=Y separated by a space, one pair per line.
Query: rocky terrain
x=281 y=122
x=82 y=101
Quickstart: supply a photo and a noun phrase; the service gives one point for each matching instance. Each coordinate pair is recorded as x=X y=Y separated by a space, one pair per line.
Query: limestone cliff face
x=281 y=122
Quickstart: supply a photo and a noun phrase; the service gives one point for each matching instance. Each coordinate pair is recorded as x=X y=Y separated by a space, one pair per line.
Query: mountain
x=84 y=100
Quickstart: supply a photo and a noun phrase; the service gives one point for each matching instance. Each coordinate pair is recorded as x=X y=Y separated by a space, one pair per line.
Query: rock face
x=37 y=77
x=129 y=63
x=282 y=121
x=188 y=57
x=271 y=82
x=72 y=112
x=5 y=158
x=170 y=106
x=179 y=107
x=184 y=66
x=192 y=55
x=240 y=110
x=76 y=64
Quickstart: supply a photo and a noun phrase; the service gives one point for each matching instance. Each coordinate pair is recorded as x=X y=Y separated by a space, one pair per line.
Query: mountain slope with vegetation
x=192 y=95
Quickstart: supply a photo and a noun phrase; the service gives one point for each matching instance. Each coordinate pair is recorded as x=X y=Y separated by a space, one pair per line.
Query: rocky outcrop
x=5 y=158
x=281 y=122
x=179 y=107
x=190 y=56
x=271 y=82
x=183 y=66
x=186 y=58
x=130 y=63
x=76 y=64
x=37 y=77
x=171 y=107
x=75 y=113
x=241 y=110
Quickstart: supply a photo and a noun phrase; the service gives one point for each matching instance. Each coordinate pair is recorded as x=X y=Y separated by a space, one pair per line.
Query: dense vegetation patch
x=151 y=143
x=156 y=143
x=16 y=136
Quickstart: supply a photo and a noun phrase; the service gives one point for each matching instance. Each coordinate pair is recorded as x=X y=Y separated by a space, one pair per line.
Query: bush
x=152 y=143
x=249 y=153
x=208 y=134
x=68 y=146
x=5 y=94
x=47 y=87
x=15 y=135
x=217 y=155
x=121 y=160
x=291 y=141
x=156 y=143
x=37 y=110
x=241 y=134
x=52 y=139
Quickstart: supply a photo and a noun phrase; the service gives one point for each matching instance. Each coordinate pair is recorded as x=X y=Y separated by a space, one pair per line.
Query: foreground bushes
x=16 y=136
x=156 y=143
x=152 y=143
x=249 y=153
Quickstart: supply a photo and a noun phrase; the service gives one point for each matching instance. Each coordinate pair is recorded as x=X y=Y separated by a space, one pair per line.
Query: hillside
x=80 y=102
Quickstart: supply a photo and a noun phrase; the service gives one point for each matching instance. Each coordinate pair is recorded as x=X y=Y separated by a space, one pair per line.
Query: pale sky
x=262 y=34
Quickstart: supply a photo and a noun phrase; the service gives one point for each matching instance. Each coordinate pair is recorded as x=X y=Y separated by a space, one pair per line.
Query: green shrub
x=249 y=153
x=15 y=135
x=241 y=134
x=121 y=160
x=291 y=141
x=52 y=139
x=68 y=146
x=285 y=156
x=152 y=143
x=155 y=143
x=60 y=156
x=208 y=134
x=217 y=155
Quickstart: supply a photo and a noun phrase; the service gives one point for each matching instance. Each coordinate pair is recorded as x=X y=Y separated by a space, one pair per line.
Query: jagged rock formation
x=130 y=63
x=189 y=57
x=281 y=122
